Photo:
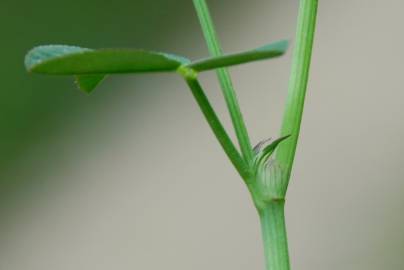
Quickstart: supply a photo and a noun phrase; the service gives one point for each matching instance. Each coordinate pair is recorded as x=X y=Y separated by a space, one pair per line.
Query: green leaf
x=268 y=150
x=87 y=83
x=268 y=51
x=72 y=60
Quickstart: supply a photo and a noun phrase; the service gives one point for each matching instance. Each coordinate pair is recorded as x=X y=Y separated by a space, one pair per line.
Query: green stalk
x=297 y=84
x=274 y=236
x=272 y=213
x=190 y=77
x=225 y=81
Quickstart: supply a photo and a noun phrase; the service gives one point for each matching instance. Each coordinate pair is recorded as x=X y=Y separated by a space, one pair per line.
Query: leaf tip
x=88 y=83
x=43 y=53
x=29 y=59
x=284 y=44
x=280 y=46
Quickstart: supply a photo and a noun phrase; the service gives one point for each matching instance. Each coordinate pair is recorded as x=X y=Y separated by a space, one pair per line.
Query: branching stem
x=266 y=184
x=216 y=126
x=225 y=80
x=271 y=211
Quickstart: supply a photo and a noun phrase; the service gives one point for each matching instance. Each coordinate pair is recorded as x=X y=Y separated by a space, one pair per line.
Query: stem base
x=274 y=236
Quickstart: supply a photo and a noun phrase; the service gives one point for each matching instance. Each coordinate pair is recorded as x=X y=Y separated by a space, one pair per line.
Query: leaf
x=87 y=83
x=268 y=150
x=268 y=51
x=72 y=60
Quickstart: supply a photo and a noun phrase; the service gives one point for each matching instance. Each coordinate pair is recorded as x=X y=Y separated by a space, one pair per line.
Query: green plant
x=266 y=168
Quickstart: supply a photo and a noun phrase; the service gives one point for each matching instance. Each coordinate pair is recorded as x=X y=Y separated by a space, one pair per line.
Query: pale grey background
x=142 y=183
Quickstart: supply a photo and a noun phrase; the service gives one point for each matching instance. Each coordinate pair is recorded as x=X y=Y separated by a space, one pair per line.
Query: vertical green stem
x=298 y=83
x=224 y=79
x=272 y=214
x=274 y=236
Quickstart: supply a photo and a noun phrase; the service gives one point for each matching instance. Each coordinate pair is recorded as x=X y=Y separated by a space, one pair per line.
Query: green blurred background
x=131 y=177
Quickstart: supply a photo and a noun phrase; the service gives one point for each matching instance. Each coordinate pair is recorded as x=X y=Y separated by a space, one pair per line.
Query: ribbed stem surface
x=274 y=236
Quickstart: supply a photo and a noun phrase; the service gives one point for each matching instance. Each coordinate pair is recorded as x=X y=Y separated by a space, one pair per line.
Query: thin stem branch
x=225 y=81
x=297 y=84
x=217 y=127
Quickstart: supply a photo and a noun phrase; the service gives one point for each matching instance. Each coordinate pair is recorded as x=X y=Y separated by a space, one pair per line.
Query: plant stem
x=297 y=84
x=217 y=127
x=271 y=211
x=272 y=214
x=274 y=236
x=225 y=81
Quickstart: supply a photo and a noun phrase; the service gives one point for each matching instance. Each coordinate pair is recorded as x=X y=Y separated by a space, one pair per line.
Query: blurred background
x=131 y=177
